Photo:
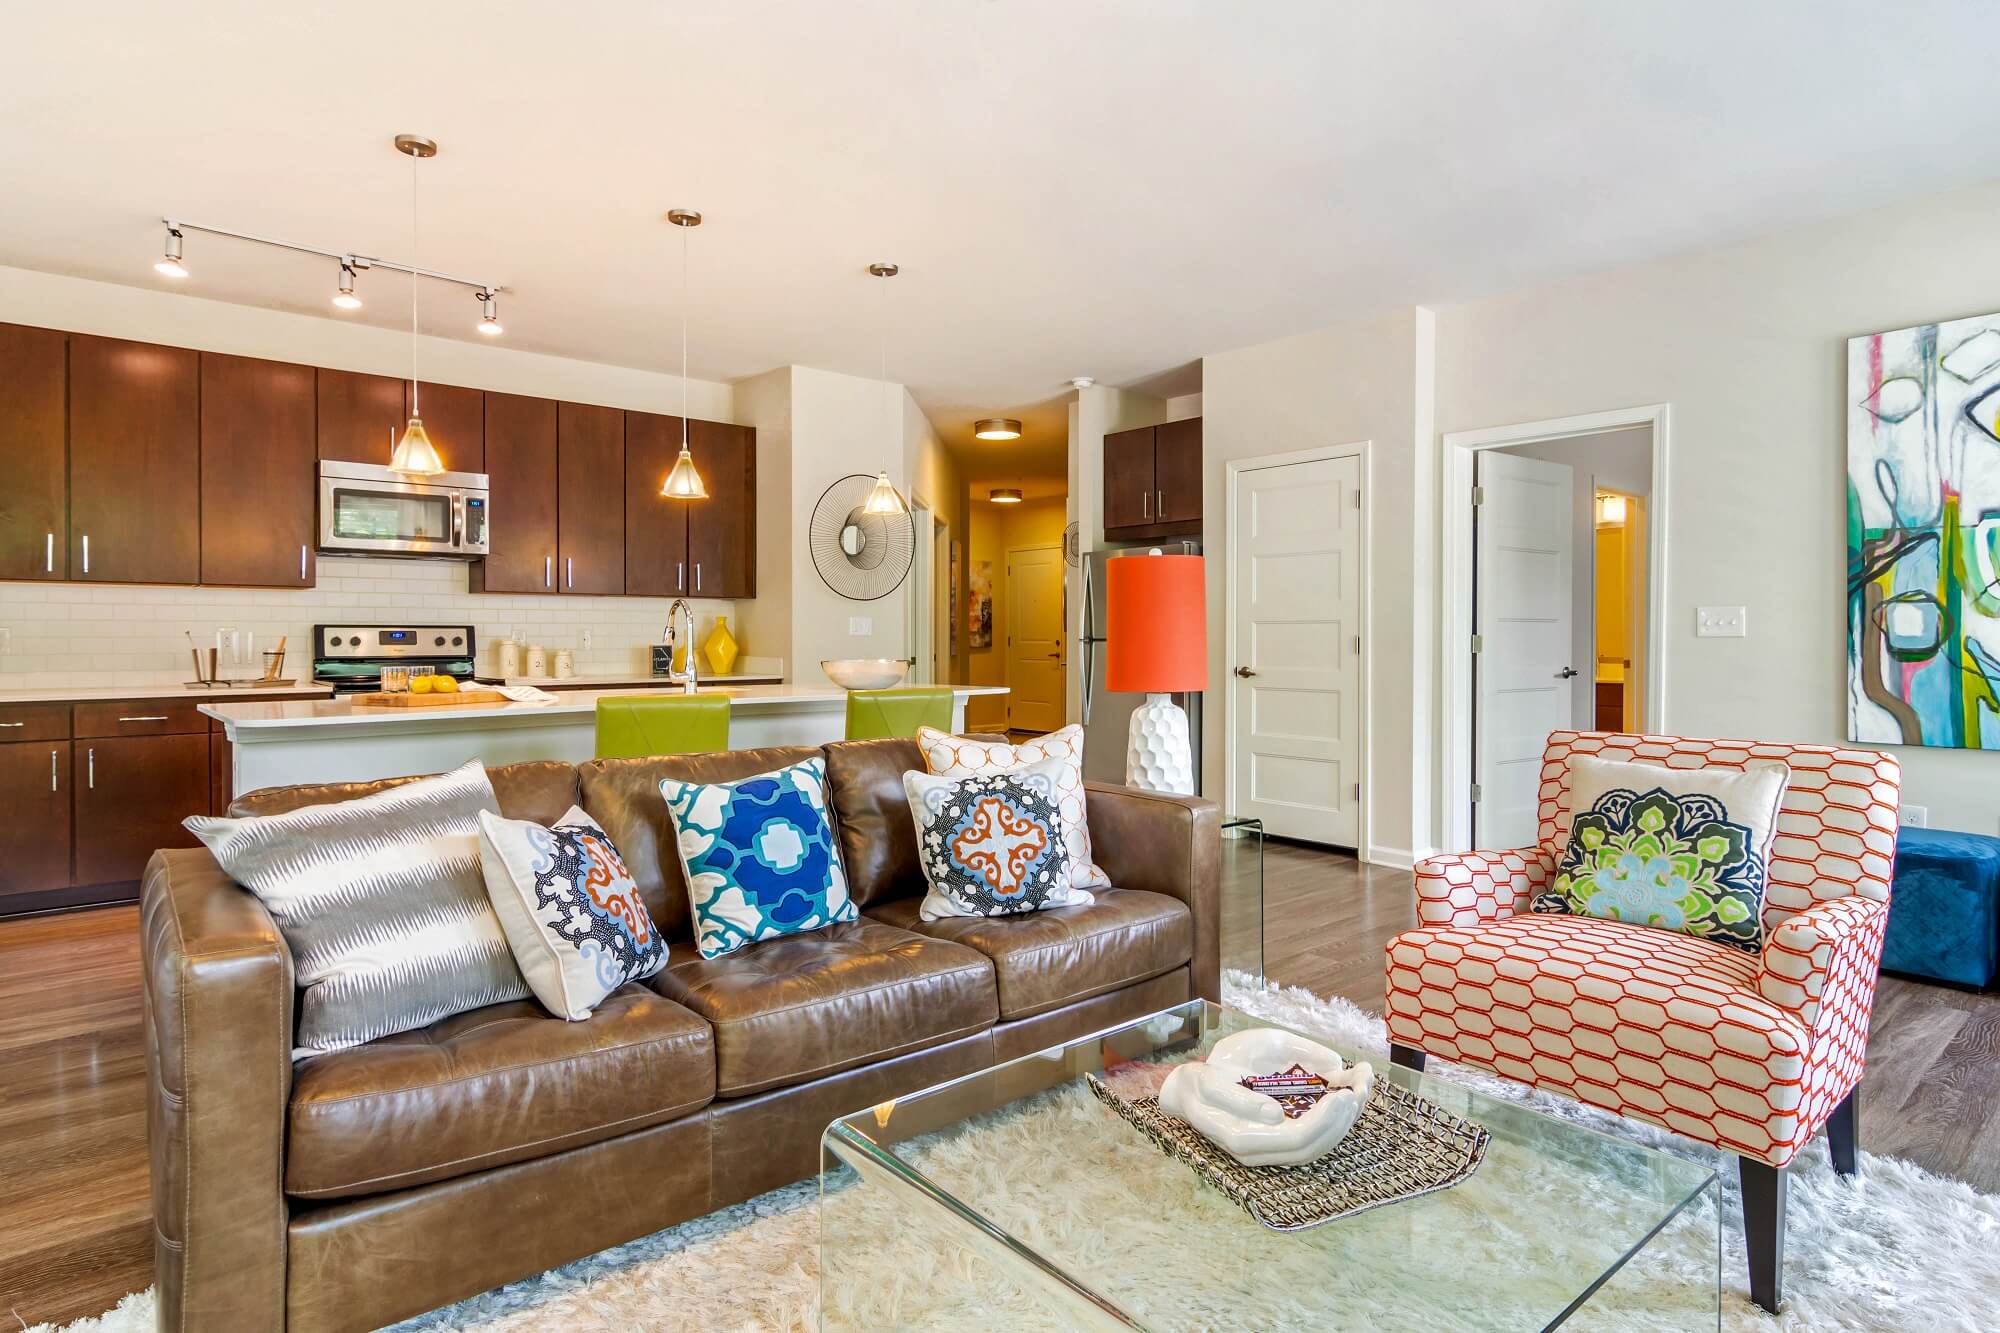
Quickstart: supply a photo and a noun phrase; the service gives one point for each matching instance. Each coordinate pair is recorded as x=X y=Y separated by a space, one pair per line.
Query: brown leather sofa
x=362 y=1187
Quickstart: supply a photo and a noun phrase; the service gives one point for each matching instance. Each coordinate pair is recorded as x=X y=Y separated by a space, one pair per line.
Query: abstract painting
x=979 y=608
x=1923 y=535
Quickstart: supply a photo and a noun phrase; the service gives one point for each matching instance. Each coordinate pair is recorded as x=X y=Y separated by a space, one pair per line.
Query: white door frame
x=1364 y=450
x=1459 y=448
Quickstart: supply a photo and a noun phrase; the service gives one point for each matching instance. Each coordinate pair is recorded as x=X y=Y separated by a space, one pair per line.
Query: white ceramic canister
x=507 y=655
x=537 y=662
x=565 y=664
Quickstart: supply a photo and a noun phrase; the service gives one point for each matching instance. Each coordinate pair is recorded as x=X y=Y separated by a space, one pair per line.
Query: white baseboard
x=1395 y=858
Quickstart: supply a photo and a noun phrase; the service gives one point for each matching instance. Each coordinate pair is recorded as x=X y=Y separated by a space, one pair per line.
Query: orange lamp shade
x=1157 y=606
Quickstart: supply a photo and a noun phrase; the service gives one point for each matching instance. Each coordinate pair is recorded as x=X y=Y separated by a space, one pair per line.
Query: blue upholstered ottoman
x=1944 y=908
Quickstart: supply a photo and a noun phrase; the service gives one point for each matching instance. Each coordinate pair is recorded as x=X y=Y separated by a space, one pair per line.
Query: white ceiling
x=1110 y=188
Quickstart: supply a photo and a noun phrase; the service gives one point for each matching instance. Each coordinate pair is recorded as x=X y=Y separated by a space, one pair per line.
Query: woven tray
x=1401 y=1147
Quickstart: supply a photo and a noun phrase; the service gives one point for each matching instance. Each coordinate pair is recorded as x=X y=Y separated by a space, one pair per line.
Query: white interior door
x=1296 y=683
x=1522 y=615
x=1035 y=638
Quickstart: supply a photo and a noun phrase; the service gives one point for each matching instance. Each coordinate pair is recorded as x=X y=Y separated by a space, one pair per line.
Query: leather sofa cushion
x=878 y=839
x=791 y=1010
x=488 y=1087
x=1044 y=960
x=541 y=790
x=623 y=795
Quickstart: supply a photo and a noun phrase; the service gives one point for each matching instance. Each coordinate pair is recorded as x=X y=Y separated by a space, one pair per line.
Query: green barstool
x=874 y=715
x=633 y=726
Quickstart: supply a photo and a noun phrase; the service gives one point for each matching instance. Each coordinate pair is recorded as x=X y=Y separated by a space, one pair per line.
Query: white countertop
x=86 y=693
x=587 y=682
x=340 y=713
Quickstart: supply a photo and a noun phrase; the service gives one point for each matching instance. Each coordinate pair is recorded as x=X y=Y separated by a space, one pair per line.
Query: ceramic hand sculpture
x=1254 y=1127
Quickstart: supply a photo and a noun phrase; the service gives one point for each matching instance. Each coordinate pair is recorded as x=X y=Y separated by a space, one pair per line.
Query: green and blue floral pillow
x=1672 y=848
x=760 y=856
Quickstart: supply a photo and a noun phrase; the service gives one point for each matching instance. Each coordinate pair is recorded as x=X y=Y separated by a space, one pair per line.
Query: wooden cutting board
x=460 y=699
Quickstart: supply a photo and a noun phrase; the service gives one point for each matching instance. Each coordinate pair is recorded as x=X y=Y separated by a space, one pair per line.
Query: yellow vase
x=721 y=648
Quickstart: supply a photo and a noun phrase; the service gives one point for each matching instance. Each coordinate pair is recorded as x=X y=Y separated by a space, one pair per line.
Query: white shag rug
x=1897 y=1248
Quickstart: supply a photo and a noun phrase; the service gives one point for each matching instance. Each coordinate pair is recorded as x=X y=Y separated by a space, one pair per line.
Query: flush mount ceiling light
x=1005 y=495
x=345 y=297
x=997 y=428
x=885 y=499
x=414 y=454
x=170 y=258
x=684 y=483
x=1610 y=510
x=489 y=314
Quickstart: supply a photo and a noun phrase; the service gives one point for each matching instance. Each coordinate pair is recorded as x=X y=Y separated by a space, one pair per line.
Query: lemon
x=421 y=684
x=444 y=685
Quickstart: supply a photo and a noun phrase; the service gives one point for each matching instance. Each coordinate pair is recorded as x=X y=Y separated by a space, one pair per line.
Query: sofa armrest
x=1473 y=888
x=218 y=1004
x=1165 y=844
x=1821 y=964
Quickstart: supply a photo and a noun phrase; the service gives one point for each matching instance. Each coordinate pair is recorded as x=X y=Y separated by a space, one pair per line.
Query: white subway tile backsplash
x=138 y=633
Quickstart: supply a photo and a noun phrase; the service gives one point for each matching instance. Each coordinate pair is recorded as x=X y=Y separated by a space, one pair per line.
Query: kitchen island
x=281 y=742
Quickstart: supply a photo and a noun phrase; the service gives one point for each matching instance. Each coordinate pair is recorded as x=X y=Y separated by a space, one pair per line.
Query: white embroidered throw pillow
x=950 y=756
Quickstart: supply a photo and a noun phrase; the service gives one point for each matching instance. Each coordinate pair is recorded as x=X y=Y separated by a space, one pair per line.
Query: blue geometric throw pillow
x=760 y=856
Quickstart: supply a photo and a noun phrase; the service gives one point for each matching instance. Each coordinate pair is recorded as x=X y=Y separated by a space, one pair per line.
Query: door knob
x=1565 y=673
x=1245 y=672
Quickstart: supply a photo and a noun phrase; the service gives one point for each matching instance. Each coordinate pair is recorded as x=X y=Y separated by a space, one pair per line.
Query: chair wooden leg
x=1843 y=1129
x=1764 y=1229
x=1409 y=1057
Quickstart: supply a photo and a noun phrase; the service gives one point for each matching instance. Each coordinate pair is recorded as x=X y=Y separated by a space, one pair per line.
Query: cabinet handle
x=548 y=571
x=680 y=576
x=90 y=766
x=1160 y=503
x=49 y=555
x=569 y=571
x=697 y=576
x=13 y=724
x=302 y=562
x=147 y=717
x=86 y=553
x=52 y=772
x=1145 y=504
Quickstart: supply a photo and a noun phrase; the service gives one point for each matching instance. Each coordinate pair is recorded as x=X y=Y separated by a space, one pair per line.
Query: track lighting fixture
x=345 y=297
x=489 y=314
x=170 y=259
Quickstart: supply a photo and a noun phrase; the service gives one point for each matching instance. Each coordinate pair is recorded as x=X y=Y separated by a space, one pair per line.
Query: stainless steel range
x=351 y=657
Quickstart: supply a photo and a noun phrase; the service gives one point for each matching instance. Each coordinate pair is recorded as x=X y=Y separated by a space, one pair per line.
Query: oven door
x=389 y=515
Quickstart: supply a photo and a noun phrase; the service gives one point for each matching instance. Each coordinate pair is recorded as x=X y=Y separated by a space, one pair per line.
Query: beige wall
x=935 y=477
x=1747 y=345
x=764 y=623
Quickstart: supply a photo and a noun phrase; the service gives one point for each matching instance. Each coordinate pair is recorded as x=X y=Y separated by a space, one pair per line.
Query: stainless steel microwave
x=366 y=509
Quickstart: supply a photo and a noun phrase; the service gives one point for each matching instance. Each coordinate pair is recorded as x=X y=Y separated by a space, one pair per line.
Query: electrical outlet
x=1721 y=622
x=586 y=641
x=861 y=627
x=1916 y=816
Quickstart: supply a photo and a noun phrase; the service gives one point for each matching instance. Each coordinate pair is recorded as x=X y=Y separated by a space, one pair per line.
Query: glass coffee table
x=1013 y=1198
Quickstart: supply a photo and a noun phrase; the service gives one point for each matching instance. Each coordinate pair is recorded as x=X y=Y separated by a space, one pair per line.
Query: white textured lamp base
x=1157 y=754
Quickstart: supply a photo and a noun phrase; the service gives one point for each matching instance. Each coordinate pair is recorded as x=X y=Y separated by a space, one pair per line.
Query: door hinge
x=1478 y=496
x=1479 y=643
x=1357 y=499
x=1357 y=791
x=1476 y=793
x=1357 y=645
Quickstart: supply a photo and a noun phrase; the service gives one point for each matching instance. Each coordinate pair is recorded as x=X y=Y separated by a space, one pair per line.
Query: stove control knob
x=457 y=641
x=440 y=640
x=354 y=642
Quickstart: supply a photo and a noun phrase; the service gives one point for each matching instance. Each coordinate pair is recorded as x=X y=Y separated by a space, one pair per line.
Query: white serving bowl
x=1252 y=1127
x=866 y=673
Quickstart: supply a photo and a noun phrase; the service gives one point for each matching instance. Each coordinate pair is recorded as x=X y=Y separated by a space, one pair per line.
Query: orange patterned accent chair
x=1752 y=1054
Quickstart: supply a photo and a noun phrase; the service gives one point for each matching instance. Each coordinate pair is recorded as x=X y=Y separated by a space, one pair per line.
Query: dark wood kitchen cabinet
x=455 y=419
x=359 y=416
x=34 y=501
x=590 y=499
x=1153 y=481
x=520 y=460
x=35 y=835
x=134 y=461
x=258 y=472
x=722 y=530
x=131 y=794
x=656 y=528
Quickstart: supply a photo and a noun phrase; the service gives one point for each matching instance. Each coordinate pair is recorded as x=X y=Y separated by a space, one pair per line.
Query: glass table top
x=1013 y=1198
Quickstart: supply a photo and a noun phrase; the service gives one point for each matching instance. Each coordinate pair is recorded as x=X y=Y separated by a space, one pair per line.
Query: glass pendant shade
x=684 y=483
x=415 y=455
x=884 y=499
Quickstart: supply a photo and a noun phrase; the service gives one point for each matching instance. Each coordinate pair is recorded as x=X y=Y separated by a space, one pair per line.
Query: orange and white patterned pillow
x=951 y=756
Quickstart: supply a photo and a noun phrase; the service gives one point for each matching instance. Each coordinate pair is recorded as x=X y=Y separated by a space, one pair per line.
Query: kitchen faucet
x=690 y=681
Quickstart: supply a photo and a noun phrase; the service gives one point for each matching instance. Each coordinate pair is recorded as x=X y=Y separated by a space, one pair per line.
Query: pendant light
x=684 y=483
x=414 y=454
x=885 y=498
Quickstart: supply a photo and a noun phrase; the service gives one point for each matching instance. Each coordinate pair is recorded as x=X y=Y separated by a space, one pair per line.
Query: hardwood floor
x=75 y=1228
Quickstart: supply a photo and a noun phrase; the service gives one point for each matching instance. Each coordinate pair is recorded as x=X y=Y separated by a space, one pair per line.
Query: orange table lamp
x=1157 y=608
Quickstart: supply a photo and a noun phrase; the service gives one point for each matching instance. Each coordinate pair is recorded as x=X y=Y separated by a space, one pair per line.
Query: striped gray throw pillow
x=382 y=903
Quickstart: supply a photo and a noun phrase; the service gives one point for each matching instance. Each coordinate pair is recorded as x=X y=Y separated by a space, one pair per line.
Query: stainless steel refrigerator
x=1107 y=717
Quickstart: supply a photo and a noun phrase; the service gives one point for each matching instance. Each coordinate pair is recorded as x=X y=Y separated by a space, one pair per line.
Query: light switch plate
x=1721 y=622
x=861 y=626
x=1916 y=816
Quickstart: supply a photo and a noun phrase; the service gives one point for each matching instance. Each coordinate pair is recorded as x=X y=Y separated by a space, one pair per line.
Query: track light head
x=489 y=314
x=170 y=258
x=345 y=297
